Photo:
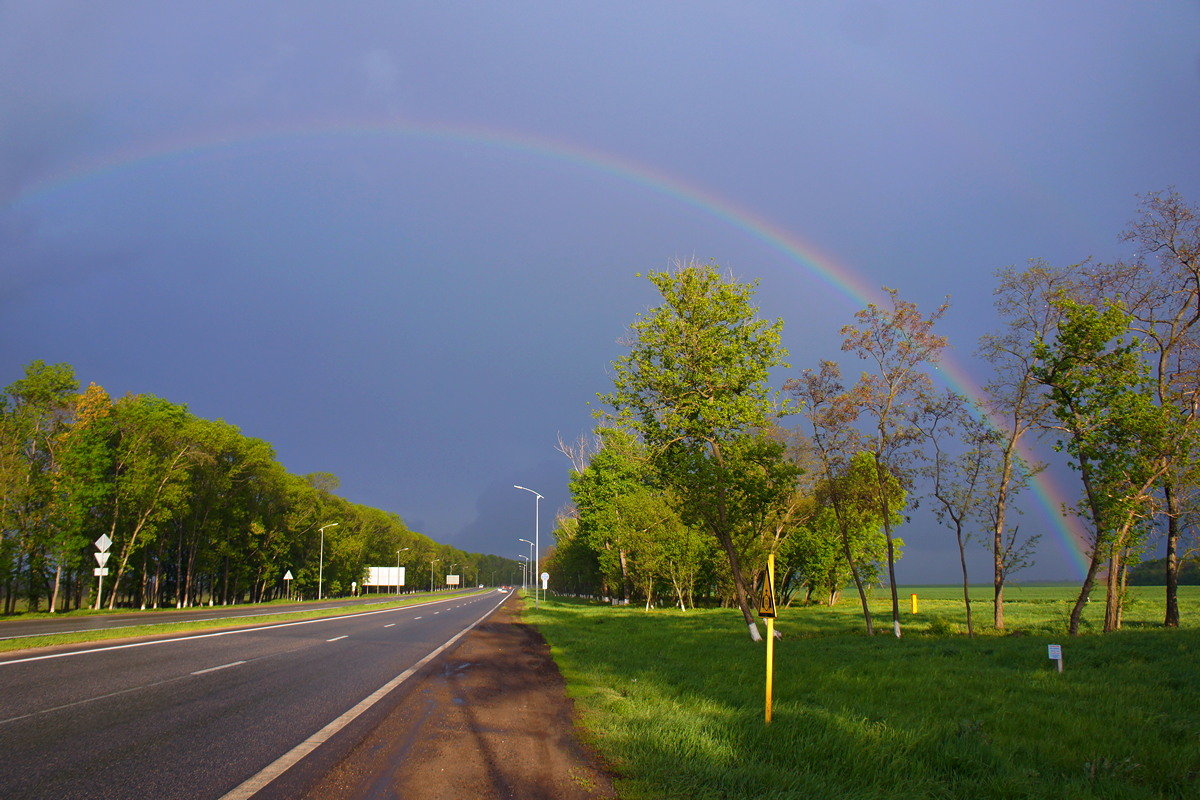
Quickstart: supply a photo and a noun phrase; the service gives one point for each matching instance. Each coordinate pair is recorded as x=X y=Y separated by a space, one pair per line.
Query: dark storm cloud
x=421 y=314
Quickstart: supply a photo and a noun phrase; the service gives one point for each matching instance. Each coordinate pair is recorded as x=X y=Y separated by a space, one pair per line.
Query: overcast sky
x=398 y=240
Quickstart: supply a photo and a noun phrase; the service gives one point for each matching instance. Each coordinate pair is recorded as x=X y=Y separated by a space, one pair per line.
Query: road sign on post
x=102 y=554
x=545 y=580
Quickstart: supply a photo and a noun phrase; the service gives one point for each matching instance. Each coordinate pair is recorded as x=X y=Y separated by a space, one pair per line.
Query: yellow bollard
x=914 y=604
x=770 y=662
x=767 y=610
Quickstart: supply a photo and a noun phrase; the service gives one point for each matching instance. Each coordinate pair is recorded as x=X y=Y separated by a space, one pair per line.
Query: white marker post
x=102 y=545
x=1054 y=651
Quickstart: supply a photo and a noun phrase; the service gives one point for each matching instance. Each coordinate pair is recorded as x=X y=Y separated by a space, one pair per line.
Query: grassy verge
x=165 y=609
x=674 y=701
x=162 y=628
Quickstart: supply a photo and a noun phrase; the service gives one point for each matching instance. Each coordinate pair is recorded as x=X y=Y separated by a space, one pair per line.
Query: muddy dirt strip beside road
x=490 y=721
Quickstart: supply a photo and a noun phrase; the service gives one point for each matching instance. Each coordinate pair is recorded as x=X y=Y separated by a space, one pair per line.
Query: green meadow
x=674 y=700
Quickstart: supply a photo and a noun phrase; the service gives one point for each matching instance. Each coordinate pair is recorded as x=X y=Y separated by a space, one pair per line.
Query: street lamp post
x=532 y=558
x=431 y=562
x=524 y=571
x=398 y=552
x=321 y=568
x=537 y=538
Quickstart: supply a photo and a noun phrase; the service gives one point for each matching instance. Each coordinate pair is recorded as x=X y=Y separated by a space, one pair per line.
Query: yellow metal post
x=914 y=604
x=770 y=636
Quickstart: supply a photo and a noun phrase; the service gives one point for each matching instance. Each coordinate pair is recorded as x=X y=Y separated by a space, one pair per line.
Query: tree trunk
x=626 y=587
x=1123 y=587
x=998 y=604
x=188 y=600
x=1097 y=556
x=145 y=578
x=998 y=570
x=739 y=584
x=1084 y=591
x=179 y=566
x=158 y=562
x=891 y=547
x=1171 y=619
x=57 y=581
x=962 y=558
x=858 y=584
x=1112 y=587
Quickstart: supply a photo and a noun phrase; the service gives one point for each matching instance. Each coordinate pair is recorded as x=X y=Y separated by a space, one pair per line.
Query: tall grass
x=674 y=701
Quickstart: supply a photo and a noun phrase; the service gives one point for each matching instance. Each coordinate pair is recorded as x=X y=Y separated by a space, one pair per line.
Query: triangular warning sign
x=766 y=600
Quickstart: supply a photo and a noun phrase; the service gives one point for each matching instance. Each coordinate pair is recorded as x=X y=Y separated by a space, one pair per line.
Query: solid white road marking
x=336 y=639
x=214 y=669
x=390 y=626
x=255 y=783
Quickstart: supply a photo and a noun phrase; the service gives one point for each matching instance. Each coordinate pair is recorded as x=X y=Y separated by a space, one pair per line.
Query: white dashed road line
x=214 y=669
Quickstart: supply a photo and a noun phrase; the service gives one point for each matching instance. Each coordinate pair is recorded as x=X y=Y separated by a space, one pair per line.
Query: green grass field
x=674 y=701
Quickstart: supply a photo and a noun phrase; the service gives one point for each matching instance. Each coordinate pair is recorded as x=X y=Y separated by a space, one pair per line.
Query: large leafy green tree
x=1160 y=289
x=1118 y=439
x=694 y=388
x=38 y=411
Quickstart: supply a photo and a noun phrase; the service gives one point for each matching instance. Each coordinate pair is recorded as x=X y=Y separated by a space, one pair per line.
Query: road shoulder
x=491 y=720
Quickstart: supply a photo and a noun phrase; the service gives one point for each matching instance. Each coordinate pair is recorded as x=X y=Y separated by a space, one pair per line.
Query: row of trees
x=692 y=479
x=196 y=511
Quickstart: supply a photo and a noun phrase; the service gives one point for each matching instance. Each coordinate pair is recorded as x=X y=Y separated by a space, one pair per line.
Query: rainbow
x=803 y=252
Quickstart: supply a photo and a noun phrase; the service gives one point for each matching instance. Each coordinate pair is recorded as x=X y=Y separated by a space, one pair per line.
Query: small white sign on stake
x=287 y=576
x=545 y=580
x=1054 y=652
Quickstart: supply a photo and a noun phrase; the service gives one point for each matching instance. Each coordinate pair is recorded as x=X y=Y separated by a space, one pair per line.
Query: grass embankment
x=186 y=626
x=674 y=701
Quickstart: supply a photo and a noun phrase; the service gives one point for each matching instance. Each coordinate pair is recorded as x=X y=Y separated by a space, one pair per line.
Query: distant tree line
x=692 y=476
x=196 y=511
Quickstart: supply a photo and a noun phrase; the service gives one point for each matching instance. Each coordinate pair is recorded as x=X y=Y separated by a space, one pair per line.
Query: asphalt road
x=195 y=715
x=14 y=628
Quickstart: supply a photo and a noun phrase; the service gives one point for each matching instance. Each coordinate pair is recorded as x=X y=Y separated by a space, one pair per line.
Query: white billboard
x=452 y=580
x=384 y=576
